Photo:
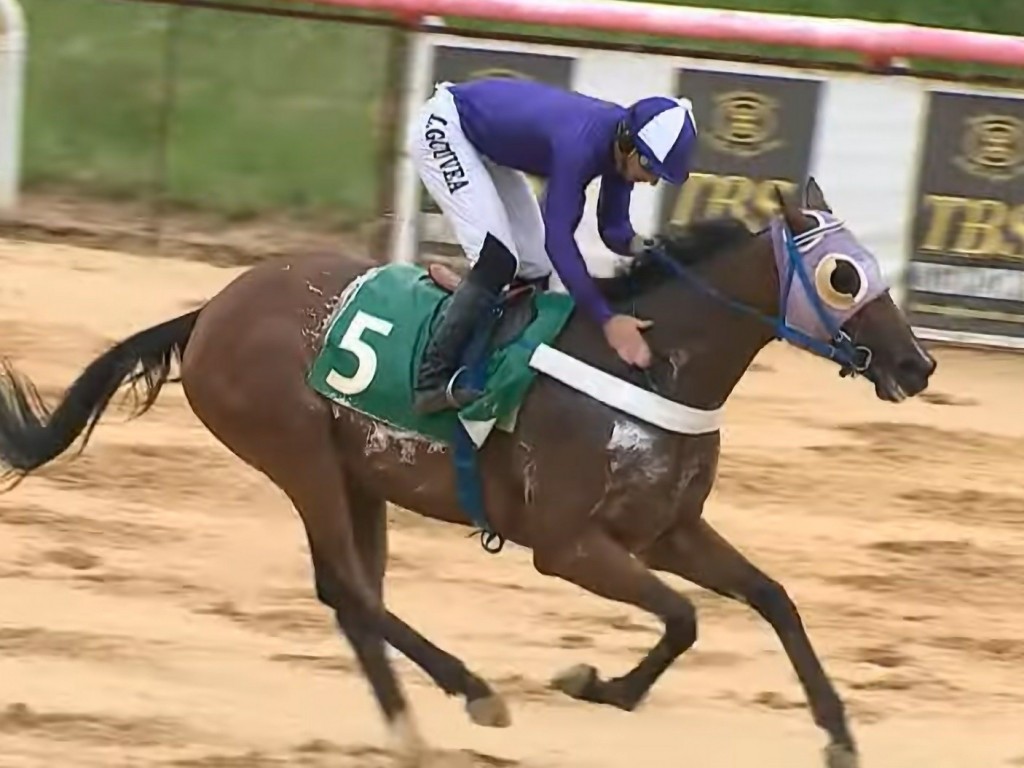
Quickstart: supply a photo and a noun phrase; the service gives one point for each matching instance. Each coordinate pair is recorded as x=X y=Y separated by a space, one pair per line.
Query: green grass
x=269 y=113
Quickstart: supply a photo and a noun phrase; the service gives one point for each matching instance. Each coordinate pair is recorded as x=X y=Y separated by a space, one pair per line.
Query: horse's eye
x=845 y=278
x=840 y=281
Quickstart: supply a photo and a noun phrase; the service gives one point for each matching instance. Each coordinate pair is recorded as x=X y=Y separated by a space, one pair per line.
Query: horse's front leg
x=600 y=565
x=696 y=552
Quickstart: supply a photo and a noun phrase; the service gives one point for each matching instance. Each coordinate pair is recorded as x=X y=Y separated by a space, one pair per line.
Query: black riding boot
x=438 y=378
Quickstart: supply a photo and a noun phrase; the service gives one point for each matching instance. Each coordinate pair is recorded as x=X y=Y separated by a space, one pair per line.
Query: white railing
x=13 y=46
x=878 y=42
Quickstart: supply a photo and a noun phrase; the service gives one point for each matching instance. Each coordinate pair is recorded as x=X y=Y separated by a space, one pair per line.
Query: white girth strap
x=626 y=397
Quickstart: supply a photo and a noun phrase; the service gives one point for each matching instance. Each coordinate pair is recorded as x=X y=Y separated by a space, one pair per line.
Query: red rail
x=875 y=40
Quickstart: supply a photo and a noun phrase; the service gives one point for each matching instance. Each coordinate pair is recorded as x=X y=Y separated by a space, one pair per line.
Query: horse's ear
x=814 y=198
x=794 y=217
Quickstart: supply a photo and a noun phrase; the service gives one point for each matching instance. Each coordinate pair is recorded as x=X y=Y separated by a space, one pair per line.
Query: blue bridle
x=852 y=359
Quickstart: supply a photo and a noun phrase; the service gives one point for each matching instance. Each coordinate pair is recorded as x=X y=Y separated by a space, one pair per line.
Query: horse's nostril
x=917 y=368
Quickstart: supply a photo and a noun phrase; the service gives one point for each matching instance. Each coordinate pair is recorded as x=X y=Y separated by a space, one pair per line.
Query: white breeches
x=476 y=196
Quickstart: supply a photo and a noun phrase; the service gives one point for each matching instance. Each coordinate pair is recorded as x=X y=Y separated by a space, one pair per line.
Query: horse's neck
x=710 y=345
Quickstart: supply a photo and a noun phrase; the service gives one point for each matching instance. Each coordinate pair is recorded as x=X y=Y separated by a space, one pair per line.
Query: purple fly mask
x=843 y=272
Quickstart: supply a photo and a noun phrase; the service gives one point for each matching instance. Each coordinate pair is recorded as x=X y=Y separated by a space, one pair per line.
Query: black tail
x=32 y=435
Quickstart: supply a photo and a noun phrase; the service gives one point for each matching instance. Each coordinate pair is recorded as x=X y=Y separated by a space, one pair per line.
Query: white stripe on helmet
x=662 y=131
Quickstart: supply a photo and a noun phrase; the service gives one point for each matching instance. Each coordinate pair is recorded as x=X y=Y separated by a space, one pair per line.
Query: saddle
x=516 y=302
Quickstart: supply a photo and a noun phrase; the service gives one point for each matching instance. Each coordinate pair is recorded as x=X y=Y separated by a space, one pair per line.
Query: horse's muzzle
x=907 y=378
x=915 y=373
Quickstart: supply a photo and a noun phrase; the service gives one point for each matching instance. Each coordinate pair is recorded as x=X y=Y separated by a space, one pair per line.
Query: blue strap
x=467 y=469
x=470 y=490
x=839 y=348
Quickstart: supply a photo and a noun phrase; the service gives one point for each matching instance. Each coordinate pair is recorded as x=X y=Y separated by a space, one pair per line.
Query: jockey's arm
x=613 y=222
x=563 y=208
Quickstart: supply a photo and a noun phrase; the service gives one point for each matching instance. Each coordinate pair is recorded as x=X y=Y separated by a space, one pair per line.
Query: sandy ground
x=156 y=606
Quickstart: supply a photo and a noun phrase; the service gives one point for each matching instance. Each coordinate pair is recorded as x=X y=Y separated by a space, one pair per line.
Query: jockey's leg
x=458 y=180
x=525 y=220
x=438 y=381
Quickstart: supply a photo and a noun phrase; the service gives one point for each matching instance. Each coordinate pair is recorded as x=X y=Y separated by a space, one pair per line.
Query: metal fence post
x=13 y=47
x=390 y=118
x=168 y=99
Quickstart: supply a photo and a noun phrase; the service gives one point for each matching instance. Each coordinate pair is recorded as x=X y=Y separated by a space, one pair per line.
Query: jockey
x=471 y=144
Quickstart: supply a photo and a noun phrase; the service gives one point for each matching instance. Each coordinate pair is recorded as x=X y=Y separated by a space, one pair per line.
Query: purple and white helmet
x=664 y=132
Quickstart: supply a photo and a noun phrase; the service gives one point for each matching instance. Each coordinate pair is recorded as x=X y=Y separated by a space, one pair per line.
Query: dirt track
x=156 y=606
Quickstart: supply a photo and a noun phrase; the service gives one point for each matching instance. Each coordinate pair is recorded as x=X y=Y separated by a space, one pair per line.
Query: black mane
x=687 y=245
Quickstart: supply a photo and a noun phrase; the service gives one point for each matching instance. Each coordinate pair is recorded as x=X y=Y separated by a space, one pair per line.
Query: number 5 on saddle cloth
x=377 y=335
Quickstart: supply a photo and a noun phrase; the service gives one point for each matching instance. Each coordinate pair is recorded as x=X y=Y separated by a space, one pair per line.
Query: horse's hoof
x=489 y=711
x=407 y=745
x=840 y=756
x=575 y=681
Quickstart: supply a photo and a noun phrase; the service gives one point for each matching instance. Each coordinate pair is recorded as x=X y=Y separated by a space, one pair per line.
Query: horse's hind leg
x=370 y=526
x=600 y=565
x=699 y=554
x=321 y=496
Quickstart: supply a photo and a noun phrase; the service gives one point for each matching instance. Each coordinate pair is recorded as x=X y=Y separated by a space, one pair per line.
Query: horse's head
x=845 y=283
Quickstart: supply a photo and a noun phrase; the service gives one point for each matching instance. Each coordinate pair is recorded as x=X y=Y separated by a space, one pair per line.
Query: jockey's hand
x=639 y=245
x=623 y=335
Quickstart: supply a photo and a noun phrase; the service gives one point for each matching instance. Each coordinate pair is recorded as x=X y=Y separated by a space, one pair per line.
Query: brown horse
x=603 y=498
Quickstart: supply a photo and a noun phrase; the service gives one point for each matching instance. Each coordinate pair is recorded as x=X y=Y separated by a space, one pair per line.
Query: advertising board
x=756 y=132
x=966 y=271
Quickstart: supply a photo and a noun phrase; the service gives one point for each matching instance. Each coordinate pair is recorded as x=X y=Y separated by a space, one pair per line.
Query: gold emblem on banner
x=744 y=123
x=498 y=72
x=992 y=147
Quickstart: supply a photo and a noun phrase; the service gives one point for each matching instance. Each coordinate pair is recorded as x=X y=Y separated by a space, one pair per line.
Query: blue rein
x=839 y=348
